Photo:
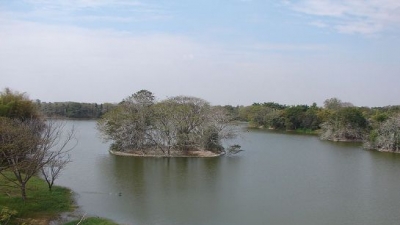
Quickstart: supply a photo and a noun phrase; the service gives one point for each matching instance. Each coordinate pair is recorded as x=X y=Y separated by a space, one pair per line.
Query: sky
x=233 y=52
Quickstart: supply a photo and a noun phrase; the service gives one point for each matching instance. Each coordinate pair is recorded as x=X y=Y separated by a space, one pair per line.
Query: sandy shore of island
x=174 y=154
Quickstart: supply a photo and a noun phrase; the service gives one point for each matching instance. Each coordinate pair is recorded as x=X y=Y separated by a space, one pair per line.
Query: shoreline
x=194 y=154
x=343 y=140
x=283 y=131
x=387 y=151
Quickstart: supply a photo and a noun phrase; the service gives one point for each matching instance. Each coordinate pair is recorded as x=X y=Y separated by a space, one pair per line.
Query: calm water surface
x=278 y=179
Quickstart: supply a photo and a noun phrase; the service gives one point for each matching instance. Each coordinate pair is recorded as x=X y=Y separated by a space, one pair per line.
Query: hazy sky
x=227 y=52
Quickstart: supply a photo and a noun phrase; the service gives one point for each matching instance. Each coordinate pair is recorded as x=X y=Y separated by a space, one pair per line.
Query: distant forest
x=74 y=110
x=309 y=117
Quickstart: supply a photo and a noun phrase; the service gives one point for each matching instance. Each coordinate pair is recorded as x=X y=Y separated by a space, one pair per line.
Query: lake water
x=278 y=179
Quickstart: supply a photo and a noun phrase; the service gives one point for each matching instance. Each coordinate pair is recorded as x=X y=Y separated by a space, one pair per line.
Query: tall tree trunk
x=23 y=191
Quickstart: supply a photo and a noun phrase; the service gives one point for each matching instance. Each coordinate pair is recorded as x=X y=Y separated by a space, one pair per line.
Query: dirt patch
x=388 y=150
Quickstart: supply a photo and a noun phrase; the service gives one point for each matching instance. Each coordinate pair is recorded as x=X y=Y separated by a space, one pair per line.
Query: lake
x=279 y=179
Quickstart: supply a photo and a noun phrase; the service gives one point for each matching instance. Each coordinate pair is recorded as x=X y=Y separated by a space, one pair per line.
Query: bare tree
x=29 y=145
x=60 y=143
x=335 y=104
x=52 y=170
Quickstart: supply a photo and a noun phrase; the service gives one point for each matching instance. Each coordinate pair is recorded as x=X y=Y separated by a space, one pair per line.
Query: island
x=180 y=126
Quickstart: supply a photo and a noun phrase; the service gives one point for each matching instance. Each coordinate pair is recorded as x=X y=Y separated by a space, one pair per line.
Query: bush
x=6 y=214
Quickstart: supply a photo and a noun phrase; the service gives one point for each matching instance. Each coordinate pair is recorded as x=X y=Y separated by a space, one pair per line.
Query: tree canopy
x=177 y=124
x=17 y=105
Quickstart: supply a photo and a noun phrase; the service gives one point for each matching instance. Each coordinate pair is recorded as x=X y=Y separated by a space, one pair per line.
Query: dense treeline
x=377 y=127
x=310 y=118
x=74 y=110
x=281 y=117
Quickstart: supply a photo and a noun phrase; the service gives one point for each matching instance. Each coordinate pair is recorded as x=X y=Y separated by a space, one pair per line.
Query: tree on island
x=177 y=125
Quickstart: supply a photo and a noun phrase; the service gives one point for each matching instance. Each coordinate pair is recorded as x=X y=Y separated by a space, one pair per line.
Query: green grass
x=306 y=131
x=40 y=203
x=92 y=221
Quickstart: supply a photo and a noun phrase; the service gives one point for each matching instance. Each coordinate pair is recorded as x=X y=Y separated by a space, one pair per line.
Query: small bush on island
x=175 y=126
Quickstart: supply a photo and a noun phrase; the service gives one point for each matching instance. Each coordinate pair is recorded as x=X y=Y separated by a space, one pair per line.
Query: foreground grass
x=41 y=205
x=92 y=221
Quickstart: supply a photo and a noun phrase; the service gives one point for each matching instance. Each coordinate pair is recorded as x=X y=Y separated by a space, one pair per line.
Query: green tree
x=345 y=124
x=256 y=115
x=294 y=116
x=265 y=115
x=17 y=105
x=129 y=125
x=275 y=119
x=311 y=120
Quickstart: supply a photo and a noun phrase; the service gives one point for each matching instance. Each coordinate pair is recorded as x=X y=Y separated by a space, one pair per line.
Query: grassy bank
x=92 y=221
x=297 y=131
x=307 y=131
x=41 y=205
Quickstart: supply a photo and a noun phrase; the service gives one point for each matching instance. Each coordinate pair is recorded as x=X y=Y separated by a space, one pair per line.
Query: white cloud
x=78 y=4
x=359 y=27
x=289 y=47
x=318 y=24
x=114 y=11
x=355 y=16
